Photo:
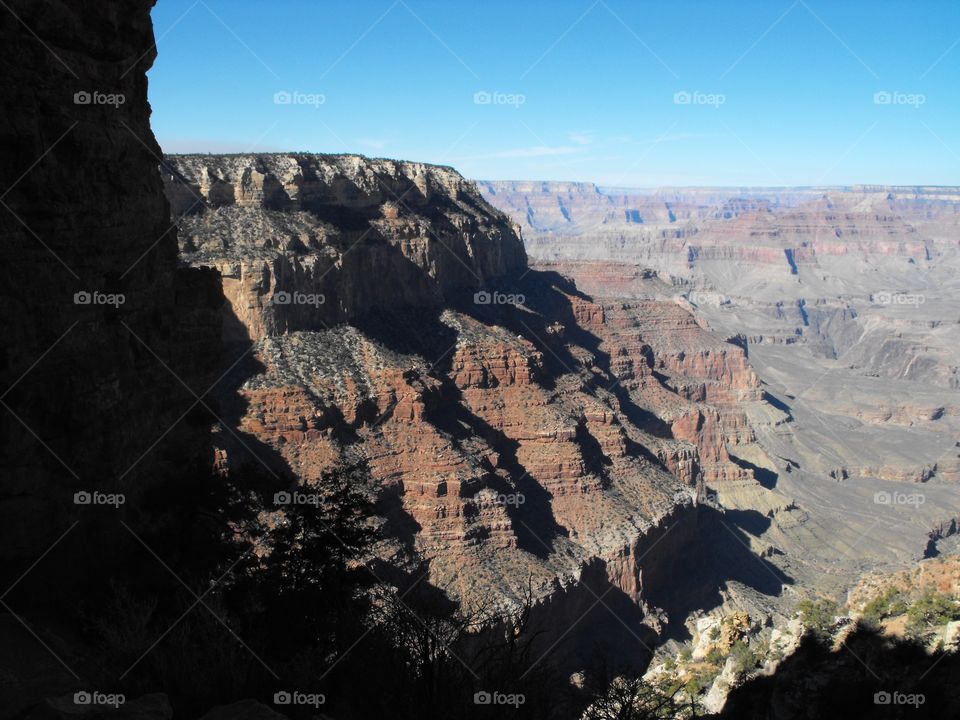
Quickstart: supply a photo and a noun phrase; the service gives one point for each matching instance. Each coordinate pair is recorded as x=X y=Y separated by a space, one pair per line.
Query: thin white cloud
x=673 y=137
x=582 y=137
x=527 y=152
x=374 y=143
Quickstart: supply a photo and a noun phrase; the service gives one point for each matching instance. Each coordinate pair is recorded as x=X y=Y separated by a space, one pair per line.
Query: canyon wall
x=352 y=235
x=828 y=435
x=844 y=301
x=517 y=432
x=102 y=327
x=865 y=273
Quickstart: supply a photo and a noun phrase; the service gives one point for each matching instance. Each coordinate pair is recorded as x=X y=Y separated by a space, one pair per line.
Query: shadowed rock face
x=85 y=213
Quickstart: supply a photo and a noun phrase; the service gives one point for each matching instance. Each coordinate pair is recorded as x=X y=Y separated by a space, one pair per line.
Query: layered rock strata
x=517 y=431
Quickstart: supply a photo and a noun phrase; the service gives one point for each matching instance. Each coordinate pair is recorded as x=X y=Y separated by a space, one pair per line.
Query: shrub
x=744 y=657
x=889 y=604
x=818 y=615
x=715 y=657
x=931 y=609
x=699 y=681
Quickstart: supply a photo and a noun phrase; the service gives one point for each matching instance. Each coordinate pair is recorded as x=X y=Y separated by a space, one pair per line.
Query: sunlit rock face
x=517 y=431
x=348 y=233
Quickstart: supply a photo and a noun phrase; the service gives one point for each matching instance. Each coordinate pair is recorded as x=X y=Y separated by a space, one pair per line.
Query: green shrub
x=888 y=604
x=744 y=657
x=818 y=615
x=932 y=609
x=715 y=657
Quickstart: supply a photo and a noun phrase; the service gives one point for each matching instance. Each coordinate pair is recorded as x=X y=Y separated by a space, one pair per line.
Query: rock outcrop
x=103 y=329
x=307 y=241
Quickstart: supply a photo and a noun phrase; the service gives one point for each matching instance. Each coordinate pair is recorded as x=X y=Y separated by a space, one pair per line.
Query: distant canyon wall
x=673 y=229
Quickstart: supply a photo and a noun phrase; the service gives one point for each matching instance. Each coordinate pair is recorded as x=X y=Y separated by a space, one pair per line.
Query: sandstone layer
x=307 y=241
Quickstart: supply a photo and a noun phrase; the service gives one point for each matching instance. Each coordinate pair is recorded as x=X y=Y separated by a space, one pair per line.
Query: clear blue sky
x=780 y=92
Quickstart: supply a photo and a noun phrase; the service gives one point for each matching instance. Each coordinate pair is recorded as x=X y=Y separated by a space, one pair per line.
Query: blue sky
x=690 y=92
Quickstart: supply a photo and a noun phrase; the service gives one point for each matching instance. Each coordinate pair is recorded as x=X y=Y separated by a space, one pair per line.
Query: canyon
x=652 y=416
x=778 y=358
x=758 y=382
x=844 y=300
x=520 y=434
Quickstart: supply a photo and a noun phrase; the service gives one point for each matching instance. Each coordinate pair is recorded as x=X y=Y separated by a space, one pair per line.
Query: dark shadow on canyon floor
x=717 y=553
x=767 y=478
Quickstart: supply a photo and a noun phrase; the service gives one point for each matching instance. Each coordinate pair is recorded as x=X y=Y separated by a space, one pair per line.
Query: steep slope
x=106 y=338
x=517 y=432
